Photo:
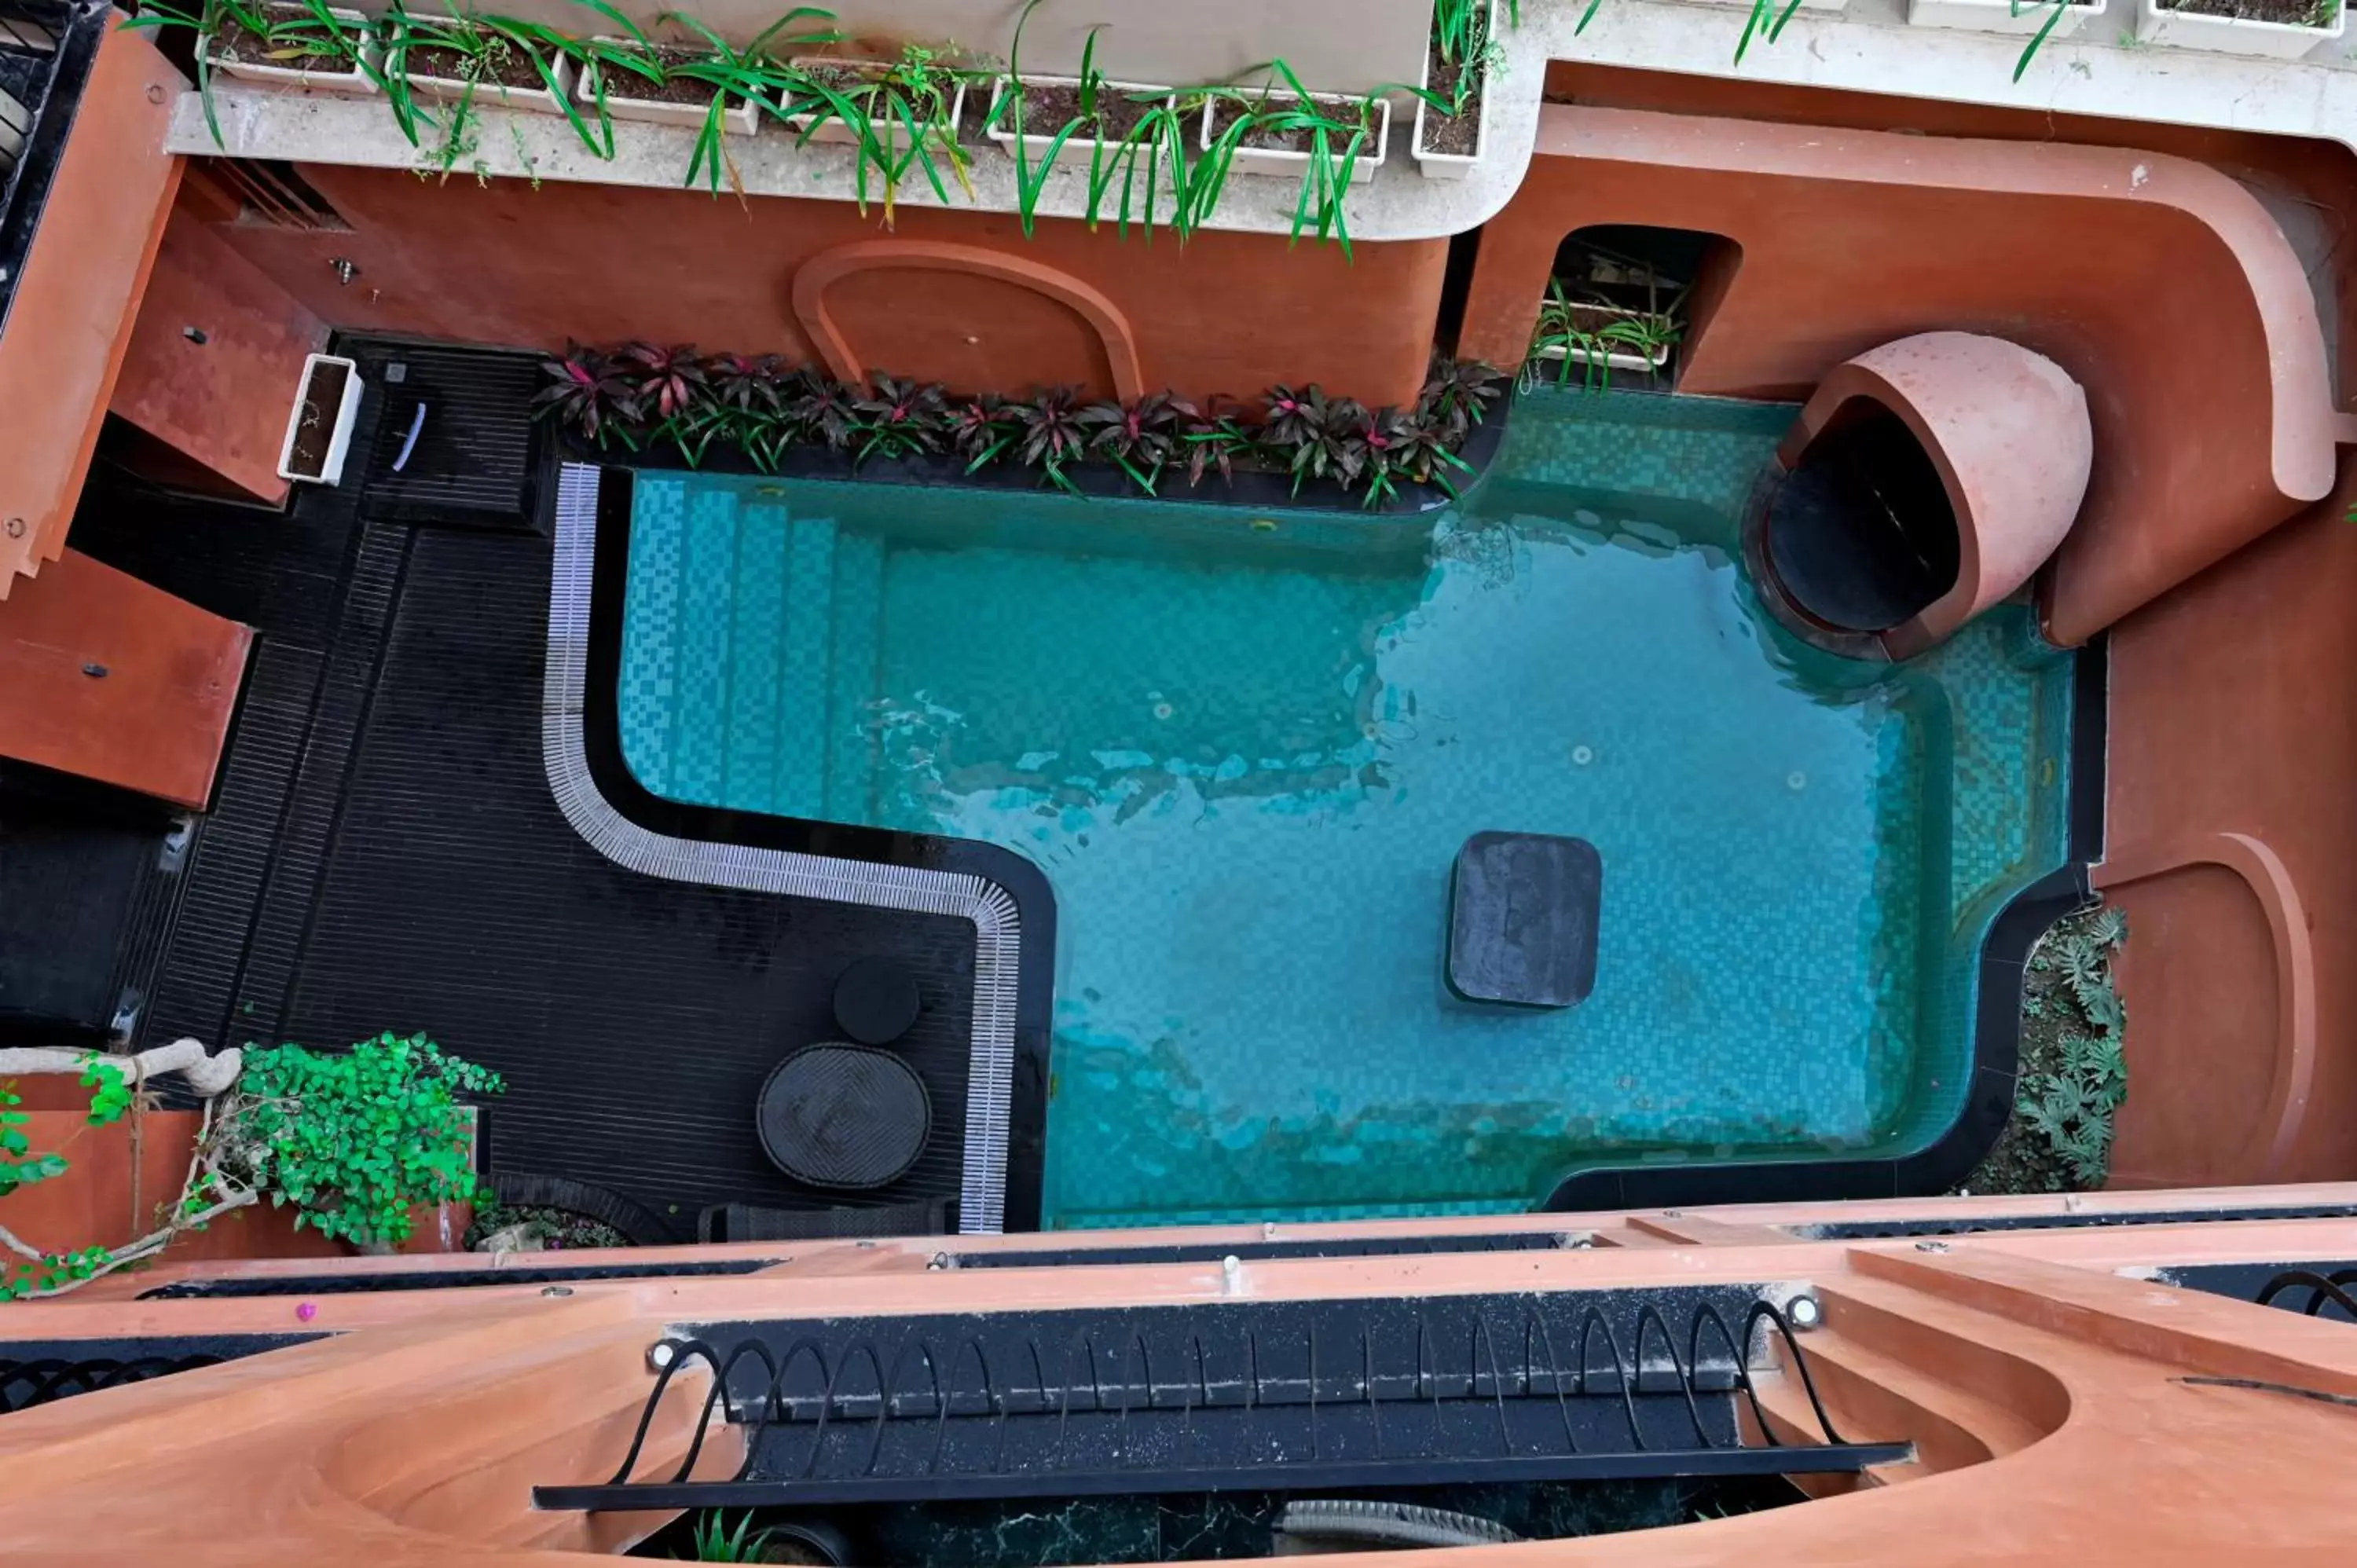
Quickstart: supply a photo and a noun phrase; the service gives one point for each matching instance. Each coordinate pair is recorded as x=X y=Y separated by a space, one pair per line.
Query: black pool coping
x=1025 y=883
x=1271 y=1252
x=2088 y=1220
x=230 y=1286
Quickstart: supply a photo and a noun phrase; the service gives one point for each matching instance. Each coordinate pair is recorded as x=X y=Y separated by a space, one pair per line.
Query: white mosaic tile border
x=990 y=1080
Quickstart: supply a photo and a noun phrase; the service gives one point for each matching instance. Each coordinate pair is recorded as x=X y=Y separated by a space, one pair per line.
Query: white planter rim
x=1037 y=145
x=339 y=438
x=354 y=80
x=2250 y=25
x=1280 y=160
x=1618 y=358
x=492 y=92
x=894 y=132
x=741 y=118
x=1453 y=166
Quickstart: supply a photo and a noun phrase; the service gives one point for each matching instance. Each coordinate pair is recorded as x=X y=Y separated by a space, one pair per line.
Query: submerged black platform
x=1522 y=920
x=385 y=852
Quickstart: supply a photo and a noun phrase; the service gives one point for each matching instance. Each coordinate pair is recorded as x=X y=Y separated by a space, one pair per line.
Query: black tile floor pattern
x=386 y=854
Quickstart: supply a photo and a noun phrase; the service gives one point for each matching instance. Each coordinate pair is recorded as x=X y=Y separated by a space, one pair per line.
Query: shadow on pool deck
x=385 y=853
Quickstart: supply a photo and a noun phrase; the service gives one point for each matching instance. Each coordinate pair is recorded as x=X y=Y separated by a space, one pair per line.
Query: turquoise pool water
x=1246 y=751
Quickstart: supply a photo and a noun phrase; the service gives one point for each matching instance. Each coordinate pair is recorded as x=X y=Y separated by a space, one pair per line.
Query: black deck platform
x=385 y=853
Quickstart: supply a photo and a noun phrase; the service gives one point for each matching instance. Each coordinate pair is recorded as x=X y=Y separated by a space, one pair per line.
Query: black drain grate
x=458 y=424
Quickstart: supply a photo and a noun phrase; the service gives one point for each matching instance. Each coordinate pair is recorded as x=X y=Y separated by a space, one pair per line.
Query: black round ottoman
x=844 y=1116
x=875 y=1001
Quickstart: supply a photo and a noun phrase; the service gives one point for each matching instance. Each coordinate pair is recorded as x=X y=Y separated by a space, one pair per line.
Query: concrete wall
x=1343 y=46
x=955 y=296
x=2233 y=846
x=103 y=676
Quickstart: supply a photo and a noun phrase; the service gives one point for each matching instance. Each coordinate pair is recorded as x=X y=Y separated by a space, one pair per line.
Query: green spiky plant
x=714 y=1542
x=1332 y=138
x=757 y=73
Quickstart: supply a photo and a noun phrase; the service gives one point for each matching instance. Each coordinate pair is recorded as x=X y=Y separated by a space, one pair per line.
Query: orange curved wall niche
x=2209 y=430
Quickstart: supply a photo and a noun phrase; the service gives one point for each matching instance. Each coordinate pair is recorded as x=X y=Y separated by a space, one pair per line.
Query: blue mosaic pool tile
x=756 y=636
x=705 y=593
x=648 y=701
x=851 y=690
x=799 y=769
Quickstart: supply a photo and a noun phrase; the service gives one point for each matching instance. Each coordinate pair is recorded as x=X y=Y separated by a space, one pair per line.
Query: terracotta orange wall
x=221 y=403
x=70 y=317
x=1850 y=239
x=2232 y=721
x=105 y=676
x=2319 y=174
x=504 y=264
x=95 y=1204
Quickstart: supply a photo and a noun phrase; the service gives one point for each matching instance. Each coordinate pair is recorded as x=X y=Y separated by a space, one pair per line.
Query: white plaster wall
x=1343 y=46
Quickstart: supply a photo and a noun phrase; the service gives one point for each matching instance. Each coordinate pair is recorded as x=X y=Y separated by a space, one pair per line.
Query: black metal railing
x=1262 y=1397
x=2323 y=1290
x=42 y=1372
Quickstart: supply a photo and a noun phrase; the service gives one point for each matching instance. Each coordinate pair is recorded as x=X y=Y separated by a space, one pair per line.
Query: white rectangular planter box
x=1454 y=166
x=1775 y=9
x=2227 y=34
x=295 y=78
x=739 y=119
x=1290 y=165
x=490 y=94
x=894 y=134
x=1079 y=148
x=339 y=439
x=1618 y=358
x=1997 y=16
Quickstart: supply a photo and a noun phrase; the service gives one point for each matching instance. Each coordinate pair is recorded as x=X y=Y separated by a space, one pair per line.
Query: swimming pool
x=1246 y=749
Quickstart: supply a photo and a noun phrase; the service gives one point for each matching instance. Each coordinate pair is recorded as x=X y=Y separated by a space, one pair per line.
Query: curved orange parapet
x=815 y=277
x=2269 y=1147
x=2205 y=377
x=2008 y=431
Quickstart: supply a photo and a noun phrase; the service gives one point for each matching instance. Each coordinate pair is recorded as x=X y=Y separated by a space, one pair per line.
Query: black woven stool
x=875 y=1000
x=844 y=1116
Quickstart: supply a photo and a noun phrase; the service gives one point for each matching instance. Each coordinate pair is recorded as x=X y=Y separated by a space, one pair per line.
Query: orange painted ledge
x=108 y=678
x=2263 y=871
x=71 y=319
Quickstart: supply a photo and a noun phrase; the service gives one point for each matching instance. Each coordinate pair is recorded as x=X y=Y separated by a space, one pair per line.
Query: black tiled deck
x=385 y=853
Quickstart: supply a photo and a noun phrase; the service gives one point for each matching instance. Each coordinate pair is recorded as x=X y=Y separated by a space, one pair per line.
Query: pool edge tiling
x=658 y=838
x=1988 y=924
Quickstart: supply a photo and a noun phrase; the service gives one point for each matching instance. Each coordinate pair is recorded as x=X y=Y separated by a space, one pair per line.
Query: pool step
x=758 y=632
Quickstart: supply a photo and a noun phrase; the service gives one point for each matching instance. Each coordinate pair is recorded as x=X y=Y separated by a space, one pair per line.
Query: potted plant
x=1286 y=133
x=1596 y=336
x=910 y=104
x=469 y=61
x=307 y=47
x=1035 y=117
x=320 y=427
x=1452 y=99
x=663 y=84
x=2275 y=29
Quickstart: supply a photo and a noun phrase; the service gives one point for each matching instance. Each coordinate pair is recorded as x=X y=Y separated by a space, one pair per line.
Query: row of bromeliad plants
x=1152 y=155
x=647 y=397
